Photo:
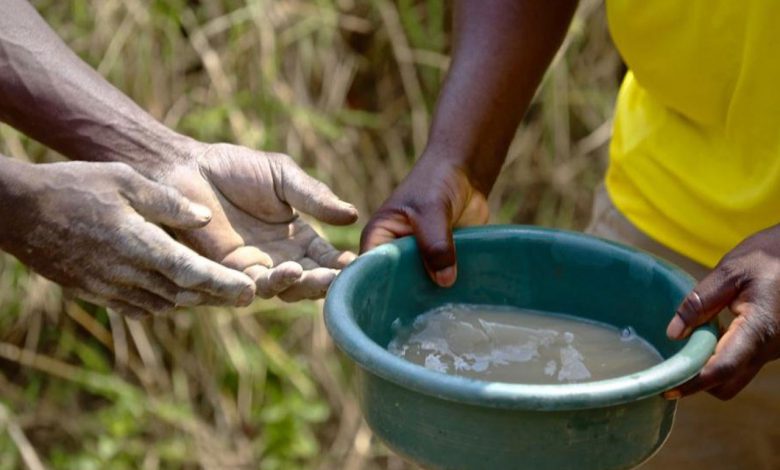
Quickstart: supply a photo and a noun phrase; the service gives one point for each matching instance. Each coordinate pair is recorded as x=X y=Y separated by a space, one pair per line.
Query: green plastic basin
x=448 y=422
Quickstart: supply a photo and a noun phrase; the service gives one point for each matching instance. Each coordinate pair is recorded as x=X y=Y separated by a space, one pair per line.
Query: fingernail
x=246 y=297
x=445 y=277
x=672 y=394
x=201 y=212
x=677 y=328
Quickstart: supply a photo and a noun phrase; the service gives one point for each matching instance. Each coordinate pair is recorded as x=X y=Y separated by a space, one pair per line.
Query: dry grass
x=344 y=86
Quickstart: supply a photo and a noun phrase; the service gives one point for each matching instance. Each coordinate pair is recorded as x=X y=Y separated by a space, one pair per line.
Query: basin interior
x=536 y=269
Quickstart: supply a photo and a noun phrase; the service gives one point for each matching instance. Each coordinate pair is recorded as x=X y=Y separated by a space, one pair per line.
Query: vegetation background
x=344 y=86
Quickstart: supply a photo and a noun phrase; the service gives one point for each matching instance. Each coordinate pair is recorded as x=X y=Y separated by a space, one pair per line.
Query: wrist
x=153 y=150
x=480 y=170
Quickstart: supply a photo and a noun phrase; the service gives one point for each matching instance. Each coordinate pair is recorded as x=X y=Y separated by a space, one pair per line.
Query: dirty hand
x=435 y=196
x=255 y=228
x=91 y=227
x=747 y=281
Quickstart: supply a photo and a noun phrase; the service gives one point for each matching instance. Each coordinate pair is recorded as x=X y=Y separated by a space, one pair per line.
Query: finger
x=102 y=293
x=145 y=300
x=384 y=227
x=191 y=271
x=128 y=310
x=165 y=288
x=434 y=237
x=731 y=388
x=313 y=197
x=90 y=297
x=108 y=293
x=160 y=286
x=327 y=256
x=711 y=295
x=134 y=296
x=270 y=282
x=313 y=284
x=163 y=204
x=308 y=264
x=734 y=355
x=243 y=257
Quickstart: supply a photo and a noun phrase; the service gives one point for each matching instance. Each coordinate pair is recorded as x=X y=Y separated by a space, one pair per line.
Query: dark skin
x=746 y=281
x=245 y=236
x=500 y=53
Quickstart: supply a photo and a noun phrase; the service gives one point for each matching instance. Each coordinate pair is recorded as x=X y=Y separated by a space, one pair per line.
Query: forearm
x=501 y=51
x=50 y=94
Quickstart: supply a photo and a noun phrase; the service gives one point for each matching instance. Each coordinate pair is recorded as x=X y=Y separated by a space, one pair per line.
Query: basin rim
x=376 y=360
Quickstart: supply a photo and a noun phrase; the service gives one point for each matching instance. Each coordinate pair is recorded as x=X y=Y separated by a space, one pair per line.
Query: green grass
x=344 y=86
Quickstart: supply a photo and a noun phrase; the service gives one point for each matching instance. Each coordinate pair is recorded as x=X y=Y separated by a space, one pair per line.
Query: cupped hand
x=255 y=228
x=92 y=227
x=747 y=281
x=435 y=197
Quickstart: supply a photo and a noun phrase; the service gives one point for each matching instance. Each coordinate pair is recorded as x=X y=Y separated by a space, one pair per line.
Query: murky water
x=505 y=344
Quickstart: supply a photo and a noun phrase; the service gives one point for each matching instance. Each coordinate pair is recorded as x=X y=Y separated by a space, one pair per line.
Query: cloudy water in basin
x=506 y=344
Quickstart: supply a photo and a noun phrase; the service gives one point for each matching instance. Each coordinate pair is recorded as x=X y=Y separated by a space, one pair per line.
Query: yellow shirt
x=695 y=153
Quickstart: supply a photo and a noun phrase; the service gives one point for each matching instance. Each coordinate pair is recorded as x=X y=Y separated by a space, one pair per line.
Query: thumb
x=711 y=295
x=313 y=197
x=434 y=237
x=165 y=205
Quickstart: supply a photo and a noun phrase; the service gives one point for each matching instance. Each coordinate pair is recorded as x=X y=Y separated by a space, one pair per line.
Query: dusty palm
x=254 y=197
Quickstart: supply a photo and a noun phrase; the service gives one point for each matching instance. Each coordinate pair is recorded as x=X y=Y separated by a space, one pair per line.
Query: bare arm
x=50 y=94
x=501 y=51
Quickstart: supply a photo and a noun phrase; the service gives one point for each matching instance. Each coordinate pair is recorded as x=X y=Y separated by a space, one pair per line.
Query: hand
x=91 y=227
x=255 y=228
x=433 y=198
x=747 y=281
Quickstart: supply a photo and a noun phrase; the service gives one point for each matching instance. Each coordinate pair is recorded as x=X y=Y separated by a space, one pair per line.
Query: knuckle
x=125 y=173
x=120 y=168
x=171 y=200
x=733 y=271
x=761 y=328
x=725 y=369
x=281 y=158
x=691 y=307
x=419 y=207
